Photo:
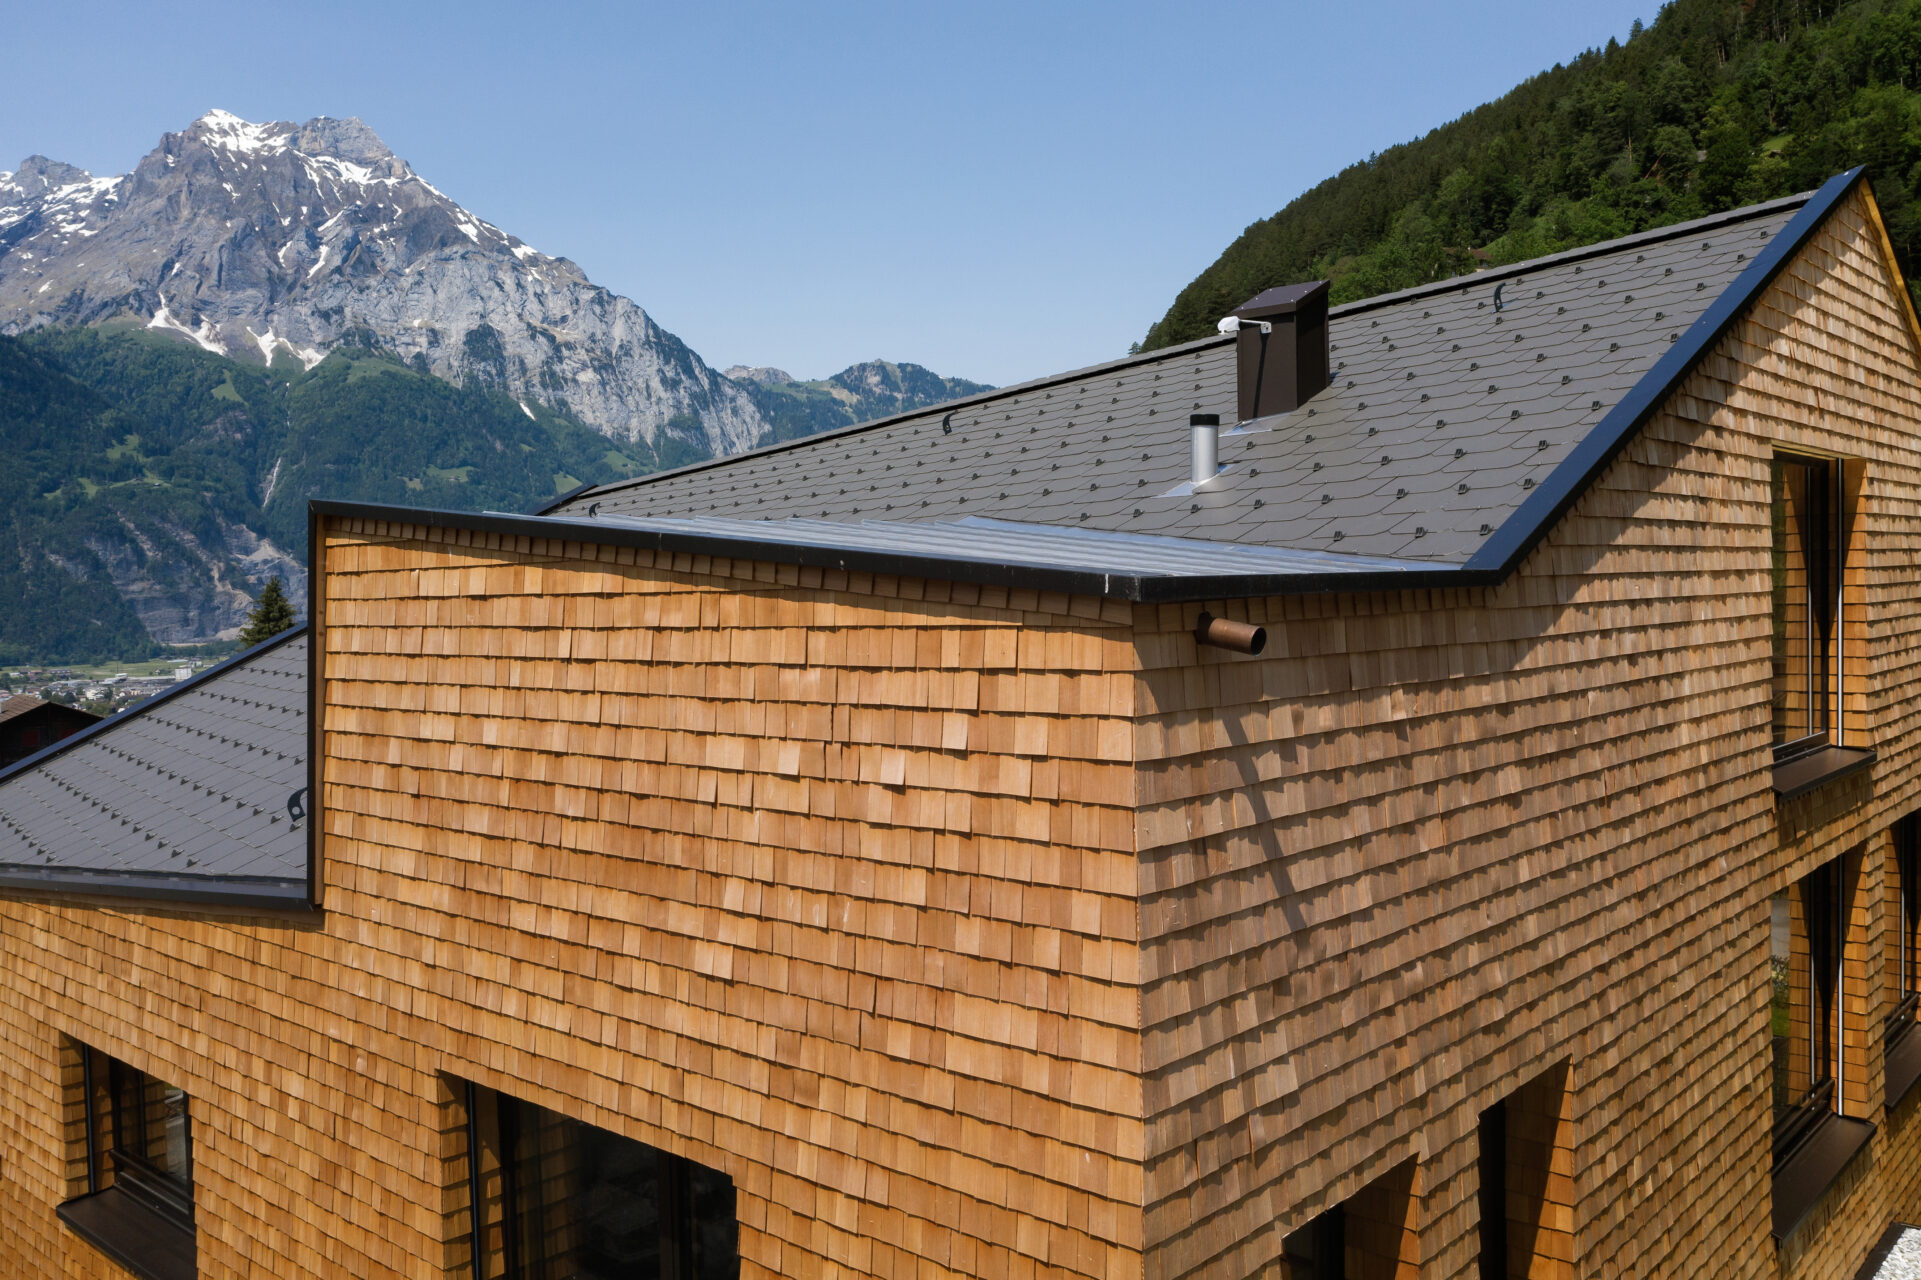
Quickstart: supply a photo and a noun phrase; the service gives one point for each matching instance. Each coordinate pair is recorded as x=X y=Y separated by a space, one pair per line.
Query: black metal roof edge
x=316 y=619
x=274 y=892
x=565 y=498
x=1523 y=530
x=1242 y=586
x=171 y=691
x=1138 y=588
x=873 y=424
x=1581 y=253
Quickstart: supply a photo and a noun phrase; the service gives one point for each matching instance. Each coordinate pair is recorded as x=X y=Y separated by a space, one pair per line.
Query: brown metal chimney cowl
x=1281 y=348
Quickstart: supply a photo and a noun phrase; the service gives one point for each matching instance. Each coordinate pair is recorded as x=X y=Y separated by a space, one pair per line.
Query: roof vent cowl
x=1205 y=428
x=1280 y=348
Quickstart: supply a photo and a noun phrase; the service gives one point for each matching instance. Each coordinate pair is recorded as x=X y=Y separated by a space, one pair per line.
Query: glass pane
x=1821 y=905
x=592 y=1205
x=716 y=1234
x=1781 y=1012
x=1802 y=556
x=174 y=1156
x=1908 y=852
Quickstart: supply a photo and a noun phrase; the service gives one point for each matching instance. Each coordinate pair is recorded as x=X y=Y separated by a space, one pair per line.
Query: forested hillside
x=152 y=487
x=1718 y=104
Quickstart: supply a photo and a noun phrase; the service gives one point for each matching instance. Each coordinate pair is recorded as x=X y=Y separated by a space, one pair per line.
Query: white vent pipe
x=1207 y=446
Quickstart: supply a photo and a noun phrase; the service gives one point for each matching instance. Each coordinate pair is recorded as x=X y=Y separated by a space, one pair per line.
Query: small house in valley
x=1424 y=787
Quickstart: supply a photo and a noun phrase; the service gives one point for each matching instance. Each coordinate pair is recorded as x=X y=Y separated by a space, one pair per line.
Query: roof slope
x=184 y=796
x=1463 y=420
x=19 y=704
x=1449 y=405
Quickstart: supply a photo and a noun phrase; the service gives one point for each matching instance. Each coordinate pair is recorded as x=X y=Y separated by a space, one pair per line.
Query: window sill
x=142 y=1241
x=1800 y=1182
x=1817 y=768
x=1903 y=1066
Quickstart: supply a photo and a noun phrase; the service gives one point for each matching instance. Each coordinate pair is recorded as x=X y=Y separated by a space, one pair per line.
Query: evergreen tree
x=272 y=614
x=1712 y=105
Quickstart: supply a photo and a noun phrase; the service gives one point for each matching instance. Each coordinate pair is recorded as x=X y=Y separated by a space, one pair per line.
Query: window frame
x=1907 y=917
x=127 y=1100
x=132 y=1209
x=505 y=1237
x=1825 y=601
x=1824 y=908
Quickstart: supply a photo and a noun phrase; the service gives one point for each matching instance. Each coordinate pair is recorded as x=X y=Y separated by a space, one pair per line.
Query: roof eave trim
x=1148 y=588
x=171 y=691
x=1523 y=530
x=265 y=893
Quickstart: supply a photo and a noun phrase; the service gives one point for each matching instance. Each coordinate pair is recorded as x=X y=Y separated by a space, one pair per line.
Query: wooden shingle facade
x=973 y=928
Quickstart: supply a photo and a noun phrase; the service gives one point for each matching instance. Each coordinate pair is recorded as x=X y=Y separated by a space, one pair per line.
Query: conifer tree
x=272 y=614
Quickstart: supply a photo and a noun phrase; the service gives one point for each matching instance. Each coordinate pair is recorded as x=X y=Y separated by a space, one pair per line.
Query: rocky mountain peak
x=281 y=241
x=38 y=174
x=761 y=375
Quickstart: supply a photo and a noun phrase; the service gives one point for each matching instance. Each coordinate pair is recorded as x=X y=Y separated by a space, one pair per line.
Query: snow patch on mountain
x=276 y=235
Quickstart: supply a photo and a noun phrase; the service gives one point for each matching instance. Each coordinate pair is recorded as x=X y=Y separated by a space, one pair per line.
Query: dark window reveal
x=139 y=1159
x=1318 y=1251
x=1807 y=927
x=555 y=1199
x=1905 y=919
x=1807 y=603
x=1901 y=1048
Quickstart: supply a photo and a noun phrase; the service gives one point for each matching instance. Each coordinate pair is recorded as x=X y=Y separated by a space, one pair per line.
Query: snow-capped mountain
x=270 y=241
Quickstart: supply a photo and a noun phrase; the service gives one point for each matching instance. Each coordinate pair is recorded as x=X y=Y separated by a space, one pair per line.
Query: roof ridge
x=1580 y=253
x=140 y=708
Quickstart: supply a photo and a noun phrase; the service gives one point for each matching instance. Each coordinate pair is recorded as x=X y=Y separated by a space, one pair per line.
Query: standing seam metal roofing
x=184 y=796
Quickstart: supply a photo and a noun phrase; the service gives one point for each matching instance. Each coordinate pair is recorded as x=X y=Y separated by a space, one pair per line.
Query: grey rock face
x=763 y=375
x=280 y=240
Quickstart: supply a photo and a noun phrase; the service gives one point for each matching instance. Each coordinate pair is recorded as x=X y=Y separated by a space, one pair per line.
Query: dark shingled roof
x=184 y=796
x=19 y=704
x=1464 y=418
x=1446 y=410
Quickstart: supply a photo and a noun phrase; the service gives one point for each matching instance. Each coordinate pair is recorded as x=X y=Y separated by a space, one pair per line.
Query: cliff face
x=281 y=242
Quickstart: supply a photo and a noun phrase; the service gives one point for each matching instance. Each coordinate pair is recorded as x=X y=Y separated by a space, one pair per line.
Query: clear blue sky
x=994 y=191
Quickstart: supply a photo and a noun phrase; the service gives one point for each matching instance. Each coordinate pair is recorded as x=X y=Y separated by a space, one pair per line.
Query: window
x=1371 y=1233
x=138 y=1207
x=1526 y=1166
x=1807 y=603
x=1904 y=918
x=1818 y=1074
x=554 y=1199
x=1901 y=1047
x=1806 y=928
x=1318 y=1250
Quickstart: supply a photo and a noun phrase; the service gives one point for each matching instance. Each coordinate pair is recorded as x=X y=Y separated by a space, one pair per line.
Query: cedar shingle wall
x=313 y=1122
x=824 y=883
x=1427 y=843
x=831 y=883
x=829 y=887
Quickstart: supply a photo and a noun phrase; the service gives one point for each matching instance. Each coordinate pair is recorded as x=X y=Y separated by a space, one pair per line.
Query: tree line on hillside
x=1717 y=104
